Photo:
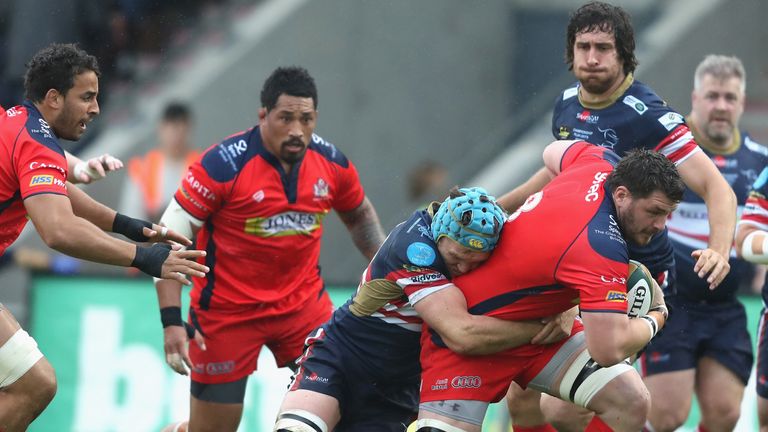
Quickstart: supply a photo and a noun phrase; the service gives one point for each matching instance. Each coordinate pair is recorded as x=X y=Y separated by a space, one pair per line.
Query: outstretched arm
x=364 y=226
x=702 y=177
x=80 y=171
x=62 y=230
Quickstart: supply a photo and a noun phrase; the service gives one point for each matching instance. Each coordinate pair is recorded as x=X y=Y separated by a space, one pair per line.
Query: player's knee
x=724 y=416
x=299 y=421
x=435 y=425
x=667 y=421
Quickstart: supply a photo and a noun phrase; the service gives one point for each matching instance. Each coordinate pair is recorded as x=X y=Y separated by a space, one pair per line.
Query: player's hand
x=160 y=233
x=659 y=303
x=658 y=295
x=97 y=167
x=709 y=262
x=556 y=327
x=182 y=262
x=176 y=345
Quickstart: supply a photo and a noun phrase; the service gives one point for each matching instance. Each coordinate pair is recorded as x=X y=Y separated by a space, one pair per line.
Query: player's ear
x=262 y=113
x=53 y=98
x=621 y=194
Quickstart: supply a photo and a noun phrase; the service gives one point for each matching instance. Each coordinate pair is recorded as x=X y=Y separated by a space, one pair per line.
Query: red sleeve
x=601 y=282
x=349 y=191
x=40 y=169
x=199 y=194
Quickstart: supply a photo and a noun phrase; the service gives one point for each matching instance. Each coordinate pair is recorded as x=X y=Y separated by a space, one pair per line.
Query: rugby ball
x=639 y=290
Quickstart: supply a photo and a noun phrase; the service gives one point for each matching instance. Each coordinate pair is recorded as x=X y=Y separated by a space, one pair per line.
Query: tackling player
x=360 y=370
x=545 y=263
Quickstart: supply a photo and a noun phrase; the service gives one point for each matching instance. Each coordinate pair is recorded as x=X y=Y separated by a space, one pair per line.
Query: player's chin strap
x=299 y=421
x=759 y=238
x=434 y=425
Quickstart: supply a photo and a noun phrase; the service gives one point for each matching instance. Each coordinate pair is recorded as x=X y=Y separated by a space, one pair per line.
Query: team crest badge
x=321 y=189
x=564 y=133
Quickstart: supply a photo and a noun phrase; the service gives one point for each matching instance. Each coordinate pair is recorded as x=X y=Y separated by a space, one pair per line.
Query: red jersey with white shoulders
x=262 y=225
x=547 y=261
x=31 y=162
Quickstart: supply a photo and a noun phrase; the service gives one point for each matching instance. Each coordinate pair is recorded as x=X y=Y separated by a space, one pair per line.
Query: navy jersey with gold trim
x=633 y=117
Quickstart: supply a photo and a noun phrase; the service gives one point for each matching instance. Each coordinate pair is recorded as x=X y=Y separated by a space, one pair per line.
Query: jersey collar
x=628 y=80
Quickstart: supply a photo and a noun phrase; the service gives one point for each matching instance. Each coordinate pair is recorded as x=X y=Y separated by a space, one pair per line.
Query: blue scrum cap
x=473 y=219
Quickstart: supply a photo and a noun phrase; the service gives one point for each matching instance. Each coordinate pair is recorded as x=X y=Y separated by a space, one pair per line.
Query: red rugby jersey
x=31 y=162
x=562 y=247
x=263 y=226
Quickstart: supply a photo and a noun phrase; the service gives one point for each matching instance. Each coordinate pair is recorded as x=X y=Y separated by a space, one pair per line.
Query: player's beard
x=597 y=86
x=291 y=157
x=719 y=135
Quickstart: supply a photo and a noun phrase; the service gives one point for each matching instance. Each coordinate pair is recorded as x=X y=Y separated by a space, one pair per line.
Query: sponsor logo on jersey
x=636 y=104
x=670 y=120
x=220 y=368
x=586 y=116
x=620 y=280
x=724 y=162
x=421 y=254
x=320 y=141
x=198 y=187
x=228 y=152
x=321 y=189
x=581 y=134
x=188 y=198
x=616 y=296
x=12 y=112
x=41 y=180
x=441 y=384
x=564 y=132
x=592 y=193
x=316 y=378
x=284 y=224
x=427 y=277
x=657 y=357
x=45 y=129
x=571 y=92
x=466 y=382
x=258 y=196
x=38 y=165
x=610 y=138
x=414 y=269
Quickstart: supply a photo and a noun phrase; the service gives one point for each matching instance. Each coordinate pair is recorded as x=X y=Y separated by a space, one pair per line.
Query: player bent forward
x=360 y=370
x=581 y=258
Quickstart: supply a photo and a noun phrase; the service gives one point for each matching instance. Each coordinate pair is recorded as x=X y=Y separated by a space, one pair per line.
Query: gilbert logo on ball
x=639 y=290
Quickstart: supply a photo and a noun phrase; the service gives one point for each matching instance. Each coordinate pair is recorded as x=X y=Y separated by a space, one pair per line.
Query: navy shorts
x=697 y=330
x=762 y=356
x=368 y=400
